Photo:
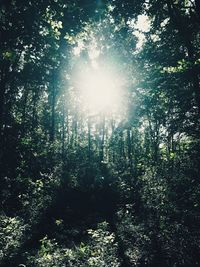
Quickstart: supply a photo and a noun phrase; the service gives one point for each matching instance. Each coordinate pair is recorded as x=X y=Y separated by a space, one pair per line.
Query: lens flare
x=100 y=91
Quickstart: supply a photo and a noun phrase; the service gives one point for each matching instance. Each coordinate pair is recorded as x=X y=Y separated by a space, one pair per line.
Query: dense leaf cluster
x=81 y=189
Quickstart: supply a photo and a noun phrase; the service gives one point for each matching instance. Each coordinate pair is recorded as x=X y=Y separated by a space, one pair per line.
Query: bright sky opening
x=99 y=91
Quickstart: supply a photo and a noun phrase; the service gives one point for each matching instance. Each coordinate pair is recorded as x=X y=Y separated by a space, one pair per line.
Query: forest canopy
x=99 y=133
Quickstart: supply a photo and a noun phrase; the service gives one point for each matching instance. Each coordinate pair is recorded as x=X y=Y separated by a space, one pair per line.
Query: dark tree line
x=99 y=189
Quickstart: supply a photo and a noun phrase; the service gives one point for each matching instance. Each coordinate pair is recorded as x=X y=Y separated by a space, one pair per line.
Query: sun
x=99 y=91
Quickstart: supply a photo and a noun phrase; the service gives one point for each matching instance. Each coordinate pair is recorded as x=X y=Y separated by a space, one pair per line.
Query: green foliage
x=100 y=250
x=12 y=236
x=110 y=189
x=103 y=247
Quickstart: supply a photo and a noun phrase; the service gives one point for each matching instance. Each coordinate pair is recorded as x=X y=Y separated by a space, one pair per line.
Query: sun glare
x=99 y=91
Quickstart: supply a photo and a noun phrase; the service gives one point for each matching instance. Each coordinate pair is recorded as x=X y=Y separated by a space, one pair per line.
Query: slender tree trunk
x=3 y=80
x=156 y=141
x=122 y=153
x=67 y=127
x=134 y=151
x=2 y=97
x=25 y=97
x=75 y=131
x=34 y=114
x=52 y=135
x=63 y=130
x=89 y=138
x=112 y=147
x=102 y=140
x=129 y=148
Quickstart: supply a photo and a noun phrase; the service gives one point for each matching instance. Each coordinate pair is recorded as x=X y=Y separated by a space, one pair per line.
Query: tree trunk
x=102 y=140
x=52 y=134
x=129 y=148
x=3 y=79
x=63 y=130
x=89 y=139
